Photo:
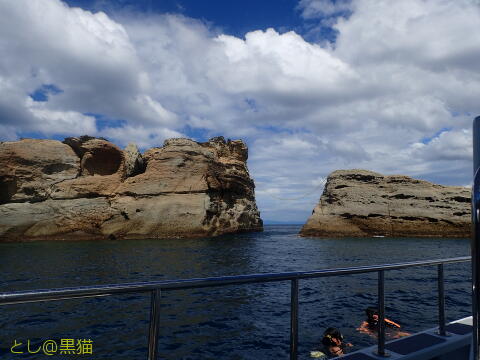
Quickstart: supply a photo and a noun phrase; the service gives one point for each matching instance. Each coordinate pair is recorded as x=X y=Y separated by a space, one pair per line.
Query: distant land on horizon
x=280 y=222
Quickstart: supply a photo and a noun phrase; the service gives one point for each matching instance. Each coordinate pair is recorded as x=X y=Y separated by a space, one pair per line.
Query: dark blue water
x=236 y=322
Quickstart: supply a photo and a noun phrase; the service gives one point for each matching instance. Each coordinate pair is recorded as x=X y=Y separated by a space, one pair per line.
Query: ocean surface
x=235 y=322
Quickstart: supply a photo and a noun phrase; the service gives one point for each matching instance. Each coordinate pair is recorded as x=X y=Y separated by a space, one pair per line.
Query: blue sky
x=230 y=17
x=310 y=85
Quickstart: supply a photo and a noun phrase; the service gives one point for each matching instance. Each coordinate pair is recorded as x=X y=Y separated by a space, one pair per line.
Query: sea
x=234 y=322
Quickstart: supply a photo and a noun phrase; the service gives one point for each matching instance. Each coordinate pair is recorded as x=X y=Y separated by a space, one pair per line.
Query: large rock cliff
x=364 y=203
x=88 y=188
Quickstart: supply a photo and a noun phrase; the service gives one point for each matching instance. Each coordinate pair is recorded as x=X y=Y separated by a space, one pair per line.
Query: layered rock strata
x=360 y=203
x=88 y=188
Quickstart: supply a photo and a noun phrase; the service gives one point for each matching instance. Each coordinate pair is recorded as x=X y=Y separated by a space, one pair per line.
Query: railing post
x=475 y=241
x=441 y=301
x=294 y=320
x=154 y=324
x=381 y=315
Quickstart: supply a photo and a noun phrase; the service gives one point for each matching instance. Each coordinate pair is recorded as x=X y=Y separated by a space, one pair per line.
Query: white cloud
x=48 y=121
x=144 y=137
x=435 y=35
x=272 y=64
x=399 y=72
x=88 y=56
x=314 y=9
x=449 y=145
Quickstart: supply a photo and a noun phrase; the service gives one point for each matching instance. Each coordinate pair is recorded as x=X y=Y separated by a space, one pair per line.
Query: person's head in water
x=333 y=340
x=372 y=318
x=372 y=315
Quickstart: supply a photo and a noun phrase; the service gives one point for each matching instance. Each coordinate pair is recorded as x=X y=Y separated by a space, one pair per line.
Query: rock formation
x=357 y=203
x=88 y=188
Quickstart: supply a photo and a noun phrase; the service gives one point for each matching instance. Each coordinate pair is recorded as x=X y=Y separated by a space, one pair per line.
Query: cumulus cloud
x=394 y=93
x=88 y=56
x=448 y=145
x=48 y=121
x=314 y=9
x=142 y=136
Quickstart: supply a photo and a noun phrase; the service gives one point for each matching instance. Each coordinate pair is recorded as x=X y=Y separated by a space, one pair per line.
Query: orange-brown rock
x=199 y=189
x=99 y=157
x=361 y=203
x=29 y=168
x=88 y=188
x=102 y=170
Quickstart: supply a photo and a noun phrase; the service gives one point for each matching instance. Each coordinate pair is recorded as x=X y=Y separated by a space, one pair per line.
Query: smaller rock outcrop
x=361 y=203
x=134 y=163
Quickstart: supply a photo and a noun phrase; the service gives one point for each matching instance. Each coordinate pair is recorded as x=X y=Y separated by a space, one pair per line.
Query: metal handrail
x=156 y=287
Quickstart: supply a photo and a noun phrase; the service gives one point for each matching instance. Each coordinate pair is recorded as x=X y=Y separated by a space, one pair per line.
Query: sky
x=311 y=86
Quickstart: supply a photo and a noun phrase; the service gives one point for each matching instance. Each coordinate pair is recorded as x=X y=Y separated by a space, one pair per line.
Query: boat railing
x=155 y=288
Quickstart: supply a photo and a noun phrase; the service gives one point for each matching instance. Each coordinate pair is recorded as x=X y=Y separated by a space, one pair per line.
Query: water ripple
x=235 y=322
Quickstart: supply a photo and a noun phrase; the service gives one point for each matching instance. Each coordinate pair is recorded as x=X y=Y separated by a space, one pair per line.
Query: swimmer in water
x=370 y=326
x=333 y=345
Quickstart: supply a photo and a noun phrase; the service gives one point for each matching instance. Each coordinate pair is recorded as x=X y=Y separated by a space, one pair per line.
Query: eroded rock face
x=88 y=188
x=358 y=203
x=99 y=157
x=30 y=168
x=202 y=188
